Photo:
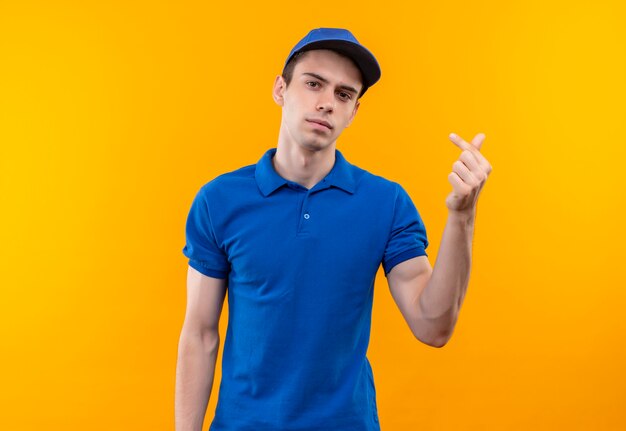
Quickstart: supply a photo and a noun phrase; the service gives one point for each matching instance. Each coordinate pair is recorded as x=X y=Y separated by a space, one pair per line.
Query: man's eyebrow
x=324 y=80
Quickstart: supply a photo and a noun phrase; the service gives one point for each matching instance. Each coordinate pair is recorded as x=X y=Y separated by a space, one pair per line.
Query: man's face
x=321 y=99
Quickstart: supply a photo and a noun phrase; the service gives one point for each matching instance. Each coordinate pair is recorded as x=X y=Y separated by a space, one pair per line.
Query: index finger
x=462 y=144
x=474 y=147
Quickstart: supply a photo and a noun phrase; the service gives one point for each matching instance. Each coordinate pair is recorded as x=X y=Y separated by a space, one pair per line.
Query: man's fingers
x=471 y=161
x=463 y=172
x=459 y=142
x=458 y=185
x=477 y=142
x=474 y=148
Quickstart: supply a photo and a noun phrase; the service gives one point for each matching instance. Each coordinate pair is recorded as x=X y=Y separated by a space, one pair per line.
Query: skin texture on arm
x=430 y=300
x=407 y=281
x=197 y=349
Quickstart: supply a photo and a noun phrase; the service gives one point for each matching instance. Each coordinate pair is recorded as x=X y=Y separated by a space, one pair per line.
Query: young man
x=296 y=240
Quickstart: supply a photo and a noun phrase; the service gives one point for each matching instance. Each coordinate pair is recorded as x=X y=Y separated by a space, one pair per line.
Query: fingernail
x=452 y=135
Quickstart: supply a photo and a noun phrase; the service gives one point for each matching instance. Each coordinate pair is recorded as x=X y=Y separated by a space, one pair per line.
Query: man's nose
x=326 y=102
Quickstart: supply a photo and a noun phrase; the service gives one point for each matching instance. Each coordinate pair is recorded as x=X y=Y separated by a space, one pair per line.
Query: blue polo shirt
x=300 y=266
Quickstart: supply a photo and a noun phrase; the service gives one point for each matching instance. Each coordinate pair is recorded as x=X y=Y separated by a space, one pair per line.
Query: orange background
x=112 y=115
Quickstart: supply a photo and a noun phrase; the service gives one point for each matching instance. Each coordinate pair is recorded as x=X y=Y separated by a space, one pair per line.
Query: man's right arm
x=197 y=349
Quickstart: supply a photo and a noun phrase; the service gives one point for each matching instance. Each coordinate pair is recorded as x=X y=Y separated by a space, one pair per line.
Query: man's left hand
x=468 y=175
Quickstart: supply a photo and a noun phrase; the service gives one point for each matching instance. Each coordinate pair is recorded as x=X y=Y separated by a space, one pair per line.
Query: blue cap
x=343 y=42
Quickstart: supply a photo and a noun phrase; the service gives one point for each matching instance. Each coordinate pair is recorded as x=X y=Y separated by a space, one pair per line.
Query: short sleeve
x=407 y=238
x=202 y=247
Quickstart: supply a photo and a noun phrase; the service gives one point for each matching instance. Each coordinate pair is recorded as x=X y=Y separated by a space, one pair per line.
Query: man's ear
x=279 y=89
x=356 y=108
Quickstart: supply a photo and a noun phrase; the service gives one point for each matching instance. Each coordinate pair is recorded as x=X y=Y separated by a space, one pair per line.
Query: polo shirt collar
x=342 y=174
x=268 y=180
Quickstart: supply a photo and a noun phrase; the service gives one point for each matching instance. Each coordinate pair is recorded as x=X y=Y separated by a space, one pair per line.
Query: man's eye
x=344 y=95
x=312 y=83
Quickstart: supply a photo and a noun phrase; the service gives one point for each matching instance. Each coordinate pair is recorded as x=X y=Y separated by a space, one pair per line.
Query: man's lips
x=321 y=122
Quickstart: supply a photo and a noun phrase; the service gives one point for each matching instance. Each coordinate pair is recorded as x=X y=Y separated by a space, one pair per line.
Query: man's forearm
x=195 y=371
x=443 y=295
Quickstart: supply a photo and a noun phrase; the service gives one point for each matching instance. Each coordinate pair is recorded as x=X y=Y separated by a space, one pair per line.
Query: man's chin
x=316 y=145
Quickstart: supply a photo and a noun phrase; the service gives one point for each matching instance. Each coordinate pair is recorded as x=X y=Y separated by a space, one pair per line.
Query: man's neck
x=303 y=166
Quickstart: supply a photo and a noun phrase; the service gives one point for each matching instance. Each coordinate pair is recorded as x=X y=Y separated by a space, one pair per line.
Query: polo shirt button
x=306 y=216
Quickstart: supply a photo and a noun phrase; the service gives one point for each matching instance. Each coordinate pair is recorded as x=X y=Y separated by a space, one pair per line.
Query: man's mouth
x=321 y=122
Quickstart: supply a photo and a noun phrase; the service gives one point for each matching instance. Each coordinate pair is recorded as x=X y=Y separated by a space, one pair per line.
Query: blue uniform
x=300 y=266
